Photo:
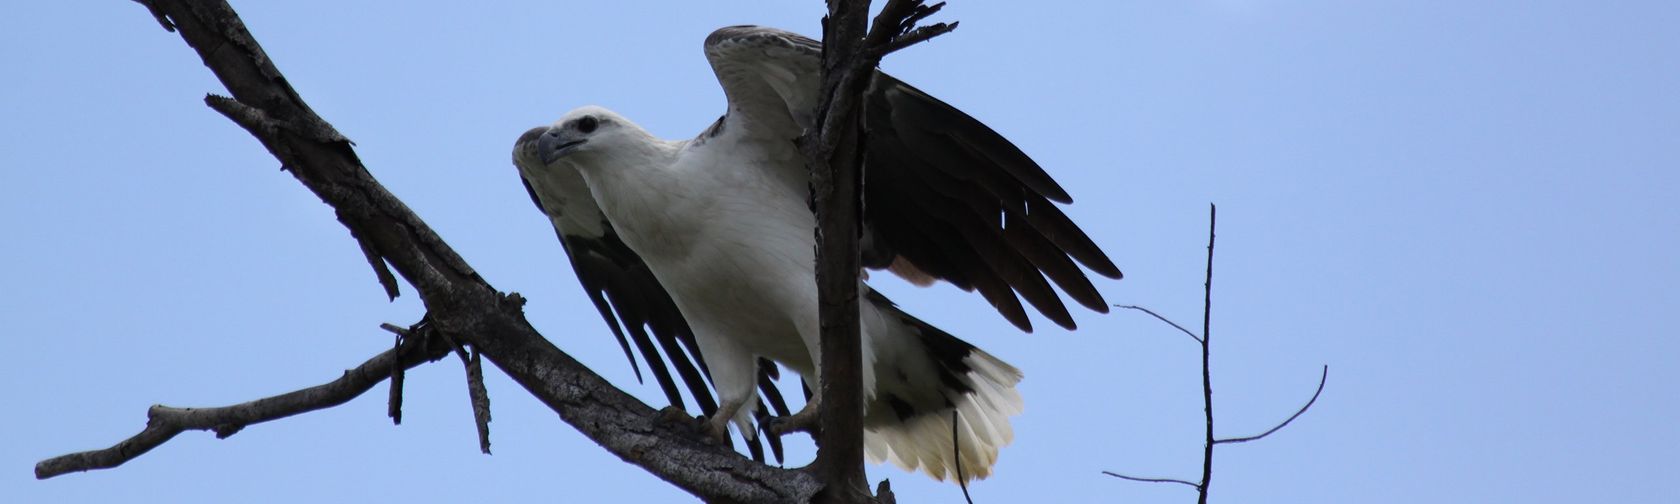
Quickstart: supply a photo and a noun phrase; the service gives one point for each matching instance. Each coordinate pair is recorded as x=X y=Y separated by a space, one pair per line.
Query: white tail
x=924 y=441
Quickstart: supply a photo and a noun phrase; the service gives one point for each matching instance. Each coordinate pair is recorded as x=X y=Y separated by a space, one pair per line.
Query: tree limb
x=834 y=152
x=164 y=422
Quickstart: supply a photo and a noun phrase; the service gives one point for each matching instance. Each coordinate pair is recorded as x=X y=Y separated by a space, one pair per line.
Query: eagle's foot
x=678 y=417
x=803 y=421
x=675 y=415
x=716 y=428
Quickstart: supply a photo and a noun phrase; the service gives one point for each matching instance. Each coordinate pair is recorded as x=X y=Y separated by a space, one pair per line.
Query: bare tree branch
x=1152 y=480
x=393 y=405
x=480 y=400
x=956 y=456
x=164 y=422
x=1323 y=375
x=475 y=391
x=1207 y=378
x=834 y=153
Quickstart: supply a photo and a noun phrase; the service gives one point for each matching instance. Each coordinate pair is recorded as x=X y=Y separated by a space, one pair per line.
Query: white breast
x=724 y=227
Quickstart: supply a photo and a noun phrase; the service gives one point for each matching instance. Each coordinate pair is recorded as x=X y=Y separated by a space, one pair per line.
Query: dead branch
x=393 y=405
x=164 y=422
x=1153 y=480
x=834 y=153
x=1207 y=378
x=1163 y=319
x=1322 y=376
x=459 y=302
x=475 y=391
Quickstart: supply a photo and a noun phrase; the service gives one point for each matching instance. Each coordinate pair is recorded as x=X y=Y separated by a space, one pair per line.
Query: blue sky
x=1468 y=210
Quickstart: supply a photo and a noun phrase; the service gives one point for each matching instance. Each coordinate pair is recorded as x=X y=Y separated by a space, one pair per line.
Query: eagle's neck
x=642 y=194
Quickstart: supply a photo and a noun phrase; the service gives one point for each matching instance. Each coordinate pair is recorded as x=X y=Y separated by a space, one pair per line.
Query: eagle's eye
x=588 y=124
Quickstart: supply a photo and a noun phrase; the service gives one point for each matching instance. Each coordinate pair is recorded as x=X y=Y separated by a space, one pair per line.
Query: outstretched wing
x=625 y=293
x=944 y=196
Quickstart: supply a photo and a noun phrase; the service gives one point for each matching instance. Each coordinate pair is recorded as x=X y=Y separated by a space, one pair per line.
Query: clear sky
x=1467 y=209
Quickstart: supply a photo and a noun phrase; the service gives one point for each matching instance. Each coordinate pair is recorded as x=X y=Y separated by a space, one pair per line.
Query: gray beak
x=556 y=143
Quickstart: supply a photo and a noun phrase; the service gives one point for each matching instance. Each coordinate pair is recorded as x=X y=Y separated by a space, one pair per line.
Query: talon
x=803 y=421
x=674 y=415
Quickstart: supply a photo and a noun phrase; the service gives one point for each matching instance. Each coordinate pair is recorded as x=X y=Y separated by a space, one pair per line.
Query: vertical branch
x=1207 y=377
x=837 y=172
x=834 y=152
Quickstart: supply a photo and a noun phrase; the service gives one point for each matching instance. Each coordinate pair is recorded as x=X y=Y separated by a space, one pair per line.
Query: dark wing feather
x=631 y=300
x=943 y=193
x=968 y=178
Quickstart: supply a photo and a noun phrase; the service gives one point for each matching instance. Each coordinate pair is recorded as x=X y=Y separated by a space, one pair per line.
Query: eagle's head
x=585 y=136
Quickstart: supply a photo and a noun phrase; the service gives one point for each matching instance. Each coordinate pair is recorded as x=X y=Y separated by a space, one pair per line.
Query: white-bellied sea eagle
x=708 y=243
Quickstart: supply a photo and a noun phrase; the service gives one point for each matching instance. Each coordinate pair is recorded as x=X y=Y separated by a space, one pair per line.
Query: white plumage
x=721 y=223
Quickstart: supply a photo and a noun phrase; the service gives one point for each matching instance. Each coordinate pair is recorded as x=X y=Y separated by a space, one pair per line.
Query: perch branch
x=458 y=301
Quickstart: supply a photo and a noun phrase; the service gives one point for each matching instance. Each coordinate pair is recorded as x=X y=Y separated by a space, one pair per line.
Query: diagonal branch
x=1163 y=319
x=164 y=422
x=458 y=301
x=1153 y=480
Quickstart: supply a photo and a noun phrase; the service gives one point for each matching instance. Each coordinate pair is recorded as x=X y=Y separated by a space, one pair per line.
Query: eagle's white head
x=587 y=137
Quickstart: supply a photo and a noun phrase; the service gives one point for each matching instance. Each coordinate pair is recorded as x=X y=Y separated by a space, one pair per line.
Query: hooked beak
x=556 y=143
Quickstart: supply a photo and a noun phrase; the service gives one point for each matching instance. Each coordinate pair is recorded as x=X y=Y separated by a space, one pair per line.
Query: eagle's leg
x=734 y=374
x=718 y=425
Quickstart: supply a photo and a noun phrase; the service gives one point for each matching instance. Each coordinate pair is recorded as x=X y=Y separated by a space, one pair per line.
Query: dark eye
x=588 y=124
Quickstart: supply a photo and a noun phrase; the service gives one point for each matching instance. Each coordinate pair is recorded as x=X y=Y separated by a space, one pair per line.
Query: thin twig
x=393 y=402
x=917 y=14
x=917 y=36
x=1163 y=319
x=479 y=396
x=956 y=455
x=1152 y=480
x=1325 y=374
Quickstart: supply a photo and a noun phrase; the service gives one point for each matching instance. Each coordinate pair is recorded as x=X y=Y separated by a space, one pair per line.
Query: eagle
x=704 y=248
